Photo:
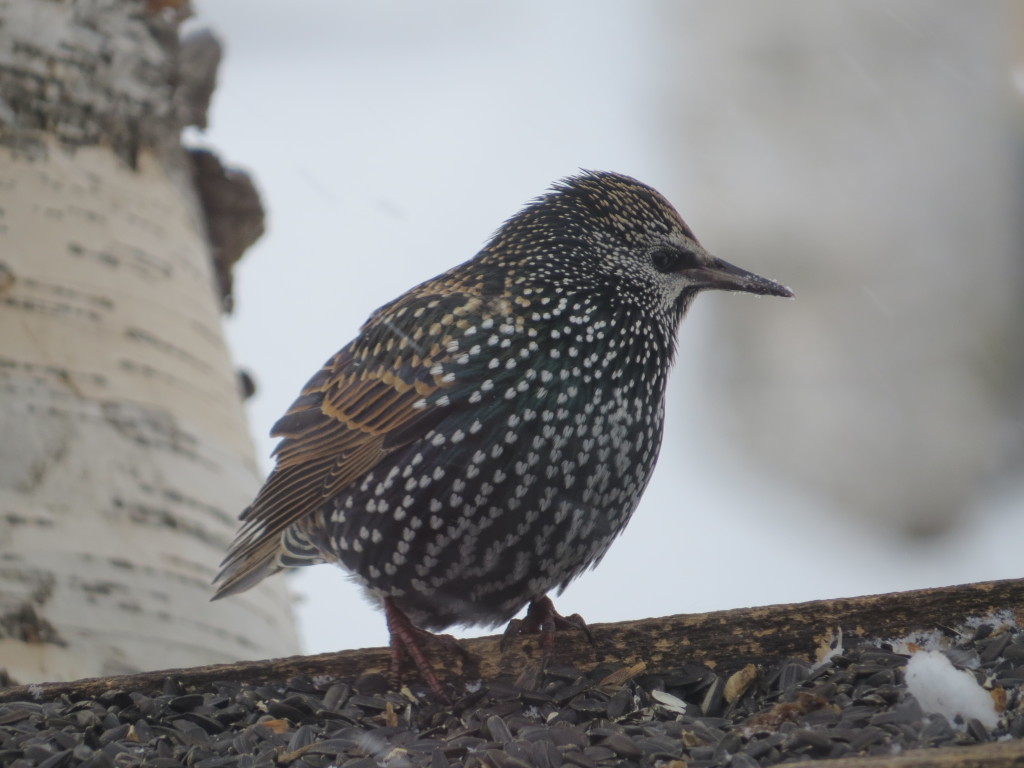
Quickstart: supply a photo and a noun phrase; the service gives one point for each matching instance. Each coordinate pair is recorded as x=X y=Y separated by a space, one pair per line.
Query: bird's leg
x=543 y=619
x=407 y=637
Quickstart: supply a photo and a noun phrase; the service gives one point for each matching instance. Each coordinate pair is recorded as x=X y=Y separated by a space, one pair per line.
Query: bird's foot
x=542 y=619
x=408 y=638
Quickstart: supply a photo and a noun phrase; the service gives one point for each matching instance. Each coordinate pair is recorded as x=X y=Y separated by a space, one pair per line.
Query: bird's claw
x=542 y=619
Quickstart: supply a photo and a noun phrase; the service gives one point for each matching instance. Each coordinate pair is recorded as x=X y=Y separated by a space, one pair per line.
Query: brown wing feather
x=367 y=401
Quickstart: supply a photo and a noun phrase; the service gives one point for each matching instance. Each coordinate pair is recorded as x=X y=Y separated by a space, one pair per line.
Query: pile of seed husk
x=855 y=703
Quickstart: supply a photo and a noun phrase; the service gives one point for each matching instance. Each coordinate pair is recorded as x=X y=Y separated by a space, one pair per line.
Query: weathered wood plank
x=1003 y=754
x=722 y=638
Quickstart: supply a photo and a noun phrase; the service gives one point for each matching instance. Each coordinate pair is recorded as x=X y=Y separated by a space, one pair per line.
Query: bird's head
x=610 y=234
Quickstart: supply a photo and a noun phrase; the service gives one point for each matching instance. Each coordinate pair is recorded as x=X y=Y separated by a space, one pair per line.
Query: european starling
x=489 y=433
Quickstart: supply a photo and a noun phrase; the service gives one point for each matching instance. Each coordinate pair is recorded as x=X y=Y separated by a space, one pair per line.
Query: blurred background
x=866 y=437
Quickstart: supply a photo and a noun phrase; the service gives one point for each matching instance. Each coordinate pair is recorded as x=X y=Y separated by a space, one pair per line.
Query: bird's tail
x=252 y=558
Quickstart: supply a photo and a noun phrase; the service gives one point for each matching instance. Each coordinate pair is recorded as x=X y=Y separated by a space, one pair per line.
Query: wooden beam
x=724 y=638
x=998 y=754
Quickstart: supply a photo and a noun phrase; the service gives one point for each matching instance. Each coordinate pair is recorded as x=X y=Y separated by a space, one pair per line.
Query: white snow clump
x=940 y=687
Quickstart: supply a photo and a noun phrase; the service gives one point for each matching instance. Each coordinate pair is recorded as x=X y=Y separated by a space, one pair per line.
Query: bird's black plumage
x=489 y=433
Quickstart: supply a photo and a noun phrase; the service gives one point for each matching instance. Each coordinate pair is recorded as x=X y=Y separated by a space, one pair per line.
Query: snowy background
x=390 y=139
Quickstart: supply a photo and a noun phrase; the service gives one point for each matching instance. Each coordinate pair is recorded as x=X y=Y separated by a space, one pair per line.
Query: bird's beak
x=723 y=276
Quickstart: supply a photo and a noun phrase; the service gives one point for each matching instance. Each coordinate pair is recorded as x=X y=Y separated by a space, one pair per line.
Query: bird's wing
x=384 y=390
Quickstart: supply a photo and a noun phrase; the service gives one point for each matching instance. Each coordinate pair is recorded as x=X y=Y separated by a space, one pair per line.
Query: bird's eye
x=673 y=260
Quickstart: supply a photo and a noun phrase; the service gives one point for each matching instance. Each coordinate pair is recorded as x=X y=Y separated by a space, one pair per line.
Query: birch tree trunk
x=124 y=452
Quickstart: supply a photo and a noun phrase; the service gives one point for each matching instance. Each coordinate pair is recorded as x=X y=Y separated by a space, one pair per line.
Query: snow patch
x=940 y=687
x=828 y=651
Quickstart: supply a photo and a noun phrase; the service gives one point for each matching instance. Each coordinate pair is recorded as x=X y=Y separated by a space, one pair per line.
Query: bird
x=489 y=433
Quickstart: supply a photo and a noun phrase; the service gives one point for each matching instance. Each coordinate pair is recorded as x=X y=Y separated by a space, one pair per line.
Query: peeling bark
x=233 y=212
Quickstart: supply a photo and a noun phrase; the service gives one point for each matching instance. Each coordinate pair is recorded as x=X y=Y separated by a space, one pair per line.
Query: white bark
x=124 y=452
